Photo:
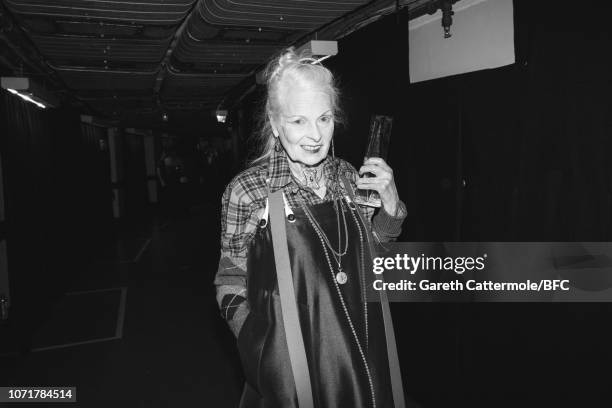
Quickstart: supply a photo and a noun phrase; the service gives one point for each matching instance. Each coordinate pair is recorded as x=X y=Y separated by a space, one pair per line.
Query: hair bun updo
x=289 y=60
x=300 y=67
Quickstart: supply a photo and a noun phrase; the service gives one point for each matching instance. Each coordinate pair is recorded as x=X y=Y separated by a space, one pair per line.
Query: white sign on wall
x=482 y=38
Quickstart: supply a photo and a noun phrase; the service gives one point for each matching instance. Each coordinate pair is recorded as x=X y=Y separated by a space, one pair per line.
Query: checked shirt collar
x=280 y=175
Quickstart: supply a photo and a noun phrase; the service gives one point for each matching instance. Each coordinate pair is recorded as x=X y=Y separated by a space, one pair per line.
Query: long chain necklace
x=338 y=253
x=341 y=276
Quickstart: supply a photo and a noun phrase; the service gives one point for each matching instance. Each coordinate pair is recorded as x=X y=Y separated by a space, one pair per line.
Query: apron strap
x=291 y=321
x=394 y=366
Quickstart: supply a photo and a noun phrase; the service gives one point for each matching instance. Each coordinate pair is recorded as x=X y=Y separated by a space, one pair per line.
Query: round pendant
x=341 y=277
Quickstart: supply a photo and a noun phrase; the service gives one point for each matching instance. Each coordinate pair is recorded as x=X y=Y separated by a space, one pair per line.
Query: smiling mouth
x=311 y=148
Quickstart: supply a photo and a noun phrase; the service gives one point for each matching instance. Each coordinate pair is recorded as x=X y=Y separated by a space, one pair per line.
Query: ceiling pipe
x=56 y=15
x=161 y=76
x=37 y=62
x=7 y=25
x=350 y=22
x=333 y=30
x=100 y=70
x=20 y=54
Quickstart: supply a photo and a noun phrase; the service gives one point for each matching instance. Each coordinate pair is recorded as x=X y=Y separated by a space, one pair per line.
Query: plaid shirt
x=243 y=205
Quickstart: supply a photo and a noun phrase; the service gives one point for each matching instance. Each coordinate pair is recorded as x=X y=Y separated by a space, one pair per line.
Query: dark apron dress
x=342 y=374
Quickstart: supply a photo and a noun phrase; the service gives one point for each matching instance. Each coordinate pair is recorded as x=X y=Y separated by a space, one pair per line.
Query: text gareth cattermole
x=412 y=264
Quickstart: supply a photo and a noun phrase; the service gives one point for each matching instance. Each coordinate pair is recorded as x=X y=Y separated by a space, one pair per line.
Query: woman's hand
x=382 y=182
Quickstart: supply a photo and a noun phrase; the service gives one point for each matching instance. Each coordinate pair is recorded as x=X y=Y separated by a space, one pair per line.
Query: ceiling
x=140 y=58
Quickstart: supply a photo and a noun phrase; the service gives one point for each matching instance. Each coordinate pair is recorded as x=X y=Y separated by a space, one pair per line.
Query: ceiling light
x=221 y=115
x=447 y=17
x=29 y=91
x=319 y=50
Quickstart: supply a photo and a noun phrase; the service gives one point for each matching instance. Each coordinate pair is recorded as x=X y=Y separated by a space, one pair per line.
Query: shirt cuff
x=390 y=225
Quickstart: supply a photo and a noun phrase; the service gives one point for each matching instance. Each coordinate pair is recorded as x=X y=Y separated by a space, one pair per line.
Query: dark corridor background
x=519 y=153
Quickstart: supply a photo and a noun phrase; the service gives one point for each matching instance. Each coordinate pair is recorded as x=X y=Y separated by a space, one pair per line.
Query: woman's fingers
x=378 y=171
x=374 y=160
x=376 y=166
x=377 y=161
x=368 y=180
x=369 y=169
x=373 y=183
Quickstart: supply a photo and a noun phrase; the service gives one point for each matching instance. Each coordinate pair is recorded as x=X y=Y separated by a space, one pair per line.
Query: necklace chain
x=340 y=253
x=362 y=274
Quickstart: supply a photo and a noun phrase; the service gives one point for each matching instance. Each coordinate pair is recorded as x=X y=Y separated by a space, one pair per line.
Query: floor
x=141 y=327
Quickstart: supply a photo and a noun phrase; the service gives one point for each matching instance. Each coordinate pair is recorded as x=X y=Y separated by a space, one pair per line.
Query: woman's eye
x=298 y=121
x=326 y=119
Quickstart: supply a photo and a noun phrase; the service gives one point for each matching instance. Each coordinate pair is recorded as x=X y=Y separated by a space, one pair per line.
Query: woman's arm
x=237 y=230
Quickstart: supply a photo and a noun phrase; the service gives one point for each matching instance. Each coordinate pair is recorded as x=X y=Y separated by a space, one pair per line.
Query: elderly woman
x=327 y=240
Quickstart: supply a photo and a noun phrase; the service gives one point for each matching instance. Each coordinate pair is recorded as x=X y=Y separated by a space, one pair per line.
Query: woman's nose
x=315 y=133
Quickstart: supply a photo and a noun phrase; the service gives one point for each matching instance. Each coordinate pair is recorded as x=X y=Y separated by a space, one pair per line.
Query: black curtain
x=58 y=204
x=531 y=142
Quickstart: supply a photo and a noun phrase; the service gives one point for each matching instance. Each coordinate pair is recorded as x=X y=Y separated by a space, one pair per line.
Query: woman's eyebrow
x=327 y=112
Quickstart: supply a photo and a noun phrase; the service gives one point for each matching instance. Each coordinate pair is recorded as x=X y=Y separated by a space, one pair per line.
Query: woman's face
x=305 y=123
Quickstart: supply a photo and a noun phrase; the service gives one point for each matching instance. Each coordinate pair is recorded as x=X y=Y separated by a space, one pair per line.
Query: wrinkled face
x=305 y=123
